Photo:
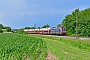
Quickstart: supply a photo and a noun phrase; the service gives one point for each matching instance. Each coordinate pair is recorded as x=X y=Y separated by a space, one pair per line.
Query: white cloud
x=12 y=4
x=1 y=17
x=41 y=11
x=22 y=13
x=80 y=7
x=33 y=13
x=17 y=8
x=32 y=4
x=52 y=11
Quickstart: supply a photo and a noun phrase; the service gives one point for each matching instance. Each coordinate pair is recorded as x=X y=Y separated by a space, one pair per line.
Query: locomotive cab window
x=63 y=29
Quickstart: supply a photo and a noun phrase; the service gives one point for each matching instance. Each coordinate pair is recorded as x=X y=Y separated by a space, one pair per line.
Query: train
x=47 y=31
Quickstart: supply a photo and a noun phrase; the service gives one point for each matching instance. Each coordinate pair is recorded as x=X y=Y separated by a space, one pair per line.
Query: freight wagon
x=59 y=31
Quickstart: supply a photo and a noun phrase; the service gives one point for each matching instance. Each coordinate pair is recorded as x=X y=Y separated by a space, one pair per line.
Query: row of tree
x=7 y=28
x=45 y=26
x=21 y=31
x=83 y=23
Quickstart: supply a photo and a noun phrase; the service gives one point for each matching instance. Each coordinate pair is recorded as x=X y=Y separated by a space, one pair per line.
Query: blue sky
x=22 y=13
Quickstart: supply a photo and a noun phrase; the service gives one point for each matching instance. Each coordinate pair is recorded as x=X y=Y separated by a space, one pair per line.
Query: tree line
x=83 y=23
x=7 y=28
x=21 y=31
x=45 y=26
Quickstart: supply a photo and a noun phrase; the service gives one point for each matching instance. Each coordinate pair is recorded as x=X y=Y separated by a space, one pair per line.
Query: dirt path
x=50 y=56
x=27 y=58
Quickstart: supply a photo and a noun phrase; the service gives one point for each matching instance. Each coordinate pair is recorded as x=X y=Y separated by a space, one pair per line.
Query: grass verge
x=67 y=49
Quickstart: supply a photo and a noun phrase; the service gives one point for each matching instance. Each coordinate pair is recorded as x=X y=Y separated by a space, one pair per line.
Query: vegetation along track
x=72 y=37
x=21 y=47
x=66 y=48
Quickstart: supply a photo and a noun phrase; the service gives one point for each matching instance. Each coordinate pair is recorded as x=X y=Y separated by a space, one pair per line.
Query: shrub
x=21 y=31
x=1 y=31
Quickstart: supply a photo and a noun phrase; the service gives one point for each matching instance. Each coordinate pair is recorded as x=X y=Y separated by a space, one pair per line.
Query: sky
x=22 y=13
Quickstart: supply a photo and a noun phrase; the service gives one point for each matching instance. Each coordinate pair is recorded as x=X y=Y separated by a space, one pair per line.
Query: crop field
x=36 y=47
x=66 y=48
x=21 y=47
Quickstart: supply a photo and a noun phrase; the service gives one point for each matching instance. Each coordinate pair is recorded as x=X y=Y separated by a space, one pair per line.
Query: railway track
x=81 y=38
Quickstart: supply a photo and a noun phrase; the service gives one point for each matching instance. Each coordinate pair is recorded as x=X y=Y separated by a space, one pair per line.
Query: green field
x=67 y=49
x=36 y=47
x=20 y=47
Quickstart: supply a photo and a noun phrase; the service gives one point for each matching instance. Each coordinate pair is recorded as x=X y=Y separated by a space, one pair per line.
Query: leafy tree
x=21 y=31
x=39 y=27
x=1 y=26
x=59 y=25
x=83 y=23
x=1 y=30
x=46 y=26
x=54 y=27
x=4 y=27
x=8 y=29
x=32 y=27
x=27 y=27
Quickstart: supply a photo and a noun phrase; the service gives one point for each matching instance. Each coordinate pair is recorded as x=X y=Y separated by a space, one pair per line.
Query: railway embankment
x=66 y=47
x=72 y=37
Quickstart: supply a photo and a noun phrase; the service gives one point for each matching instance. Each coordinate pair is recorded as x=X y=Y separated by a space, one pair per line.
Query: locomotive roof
x=41 y=29
x=37 y=29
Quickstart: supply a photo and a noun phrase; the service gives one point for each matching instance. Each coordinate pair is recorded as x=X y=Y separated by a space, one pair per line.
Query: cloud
x=15 y=3
x=10 y=5
x=44 y=12
x=55 y=11
x=1 y=17
x=22 y=10
x=21 y=7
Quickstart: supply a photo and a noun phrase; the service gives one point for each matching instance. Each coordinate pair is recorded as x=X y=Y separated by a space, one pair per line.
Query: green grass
x=67 y=49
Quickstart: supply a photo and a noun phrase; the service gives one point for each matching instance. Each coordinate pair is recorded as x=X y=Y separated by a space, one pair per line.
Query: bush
x=8 y=29
x=1 y=31
x=21 y=31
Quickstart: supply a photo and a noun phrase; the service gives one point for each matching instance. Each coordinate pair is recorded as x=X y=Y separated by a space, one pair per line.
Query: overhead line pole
x=34 y=28
x=77 y=10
